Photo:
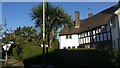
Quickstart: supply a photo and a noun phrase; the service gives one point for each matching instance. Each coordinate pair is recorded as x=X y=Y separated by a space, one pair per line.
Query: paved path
x=14 y=63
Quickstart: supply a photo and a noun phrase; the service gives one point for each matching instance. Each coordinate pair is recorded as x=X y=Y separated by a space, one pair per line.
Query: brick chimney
x=77 y=21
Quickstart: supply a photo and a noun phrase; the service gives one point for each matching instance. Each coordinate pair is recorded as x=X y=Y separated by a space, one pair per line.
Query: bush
x=31 y=51
x=55 y=44
x=15 y=54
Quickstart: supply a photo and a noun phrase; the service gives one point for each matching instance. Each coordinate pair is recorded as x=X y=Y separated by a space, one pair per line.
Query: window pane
x=109 y=36
x=101 y=37
x=94 y=32
x=98 y=38
x=79 y=36
x=84 y=40
x=88 y=33
x=99 y=30
x=66 y=36
x=94 y=38
x=70 y=37
x=85 y=34
x=88 y=39
x=105 y=36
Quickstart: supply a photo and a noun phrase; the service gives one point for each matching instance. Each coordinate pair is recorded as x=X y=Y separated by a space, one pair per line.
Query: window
x=70 y=37
x=81 y=41
x=93 y=32
x=88 y=33
x=79 y=35
x=94 y=38
x=104 y=29
x=99 y=30
x=105 y=36
x=85 y=34
x=97 y=38
x=88 y=39
x=101 y=37
x=66 y=36
x=96 y=31
x=82 y=35
x=84 y=40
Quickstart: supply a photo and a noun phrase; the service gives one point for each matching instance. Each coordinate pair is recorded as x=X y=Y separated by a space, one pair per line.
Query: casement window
x=88 y=33
x=101 y=37
x=79 y=36
x=94 y=38
x=97 y=37
x=94 y=32
x=99 y=30
x=68 y=36
x=105 y=36
x=85 y=34
x=82 y=35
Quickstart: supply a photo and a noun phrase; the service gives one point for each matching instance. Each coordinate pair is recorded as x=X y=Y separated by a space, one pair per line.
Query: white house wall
x=65 y=43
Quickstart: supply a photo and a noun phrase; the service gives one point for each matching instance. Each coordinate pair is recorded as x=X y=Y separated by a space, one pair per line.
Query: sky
x=0 y=12
x=17 y=13
x=60 y=0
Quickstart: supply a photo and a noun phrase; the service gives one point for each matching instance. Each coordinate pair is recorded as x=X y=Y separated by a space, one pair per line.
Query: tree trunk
x=50 y=42
x=48 y=38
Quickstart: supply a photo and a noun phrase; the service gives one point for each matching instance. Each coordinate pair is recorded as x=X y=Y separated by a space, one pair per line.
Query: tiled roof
x=96 y=20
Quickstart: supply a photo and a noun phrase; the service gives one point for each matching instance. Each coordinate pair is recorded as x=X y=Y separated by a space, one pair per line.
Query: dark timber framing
x=95 y=35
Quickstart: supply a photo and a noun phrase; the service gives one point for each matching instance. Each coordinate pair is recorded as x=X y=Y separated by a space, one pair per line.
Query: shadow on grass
x=75 y=58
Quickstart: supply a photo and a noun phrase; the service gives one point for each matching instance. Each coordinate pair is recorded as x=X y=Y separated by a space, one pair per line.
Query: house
x=101 y=30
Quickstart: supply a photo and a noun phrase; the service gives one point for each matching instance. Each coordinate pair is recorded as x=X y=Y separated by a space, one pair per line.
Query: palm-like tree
x=55 y=18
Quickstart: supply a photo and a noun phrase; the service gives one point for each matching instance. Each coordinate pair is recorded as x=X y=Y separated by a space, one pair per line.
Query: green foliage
x=15 y=54
x=56 y=18
x=115 y=57
x=55 y=44
x=31 y=51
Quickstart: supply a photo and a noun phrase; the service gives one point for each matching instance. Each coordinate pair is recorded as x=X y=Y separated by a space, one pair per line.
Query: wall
x=119 y=27
x=65 y=43
x=114 y=32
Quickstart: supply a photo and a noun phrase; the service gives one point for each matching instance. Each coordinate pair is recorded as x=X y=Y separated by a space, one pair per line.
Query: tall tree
x=55 y=18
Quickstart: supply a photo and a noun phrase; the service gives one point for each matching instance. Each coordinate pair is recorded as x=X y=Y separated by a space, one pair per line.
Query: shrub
x=15 y=54
x=55 y=44
x=31 y=51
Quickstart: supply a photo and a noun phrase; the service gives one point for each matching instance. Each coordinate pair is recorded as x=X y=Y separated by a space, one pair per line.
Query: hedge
x=31 y=51
x=15 y=54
